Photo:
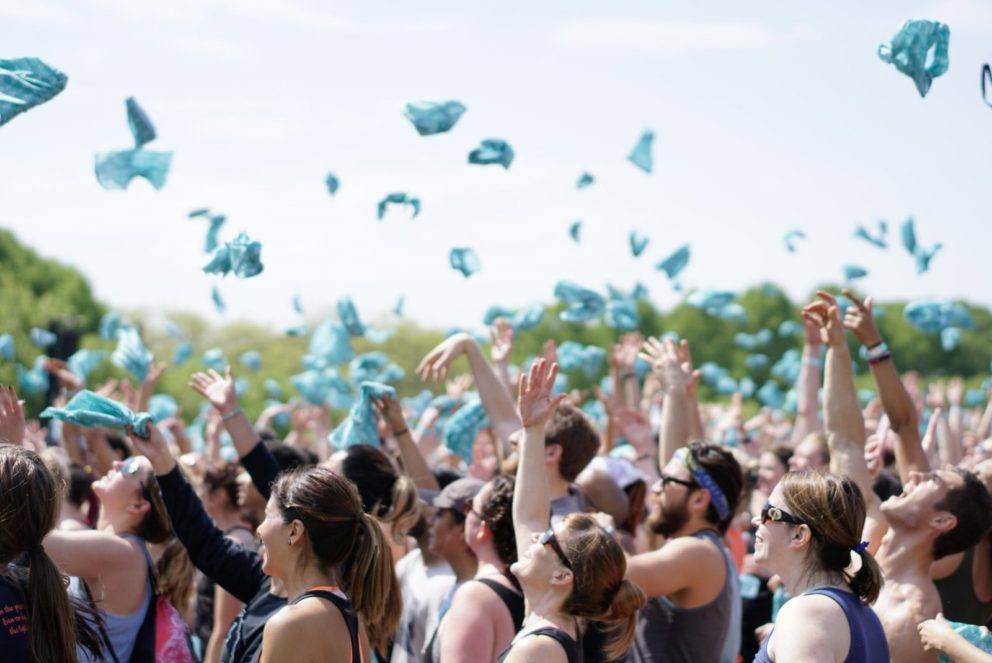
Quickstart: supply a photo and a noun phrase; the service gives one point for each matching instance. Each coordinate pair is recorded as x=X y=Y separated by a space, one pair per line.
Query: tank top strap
x=513 y=601
x=573 y=651
x=328 y=593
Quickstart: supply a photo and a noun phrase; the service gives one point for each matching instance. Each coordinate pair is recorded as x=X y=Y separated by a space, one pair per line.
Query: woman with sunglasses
x=111 y=563
x=570 y=573
x=809 y=533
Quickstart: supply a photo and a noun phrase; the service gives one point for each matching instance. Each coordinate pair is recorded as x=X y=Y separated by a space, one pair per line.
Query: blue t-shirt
x=15 y=633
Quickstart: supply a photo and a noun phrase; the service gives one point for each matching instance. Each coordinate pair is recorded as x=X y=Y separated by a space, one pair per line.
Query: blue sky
x=768 y=117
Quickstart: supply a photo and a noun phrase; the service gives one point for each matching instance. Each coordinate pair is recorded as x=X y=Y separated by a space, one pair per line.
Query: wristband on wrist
x=397 y=433
x=876 y=350
x=813 y=361
x=880 y=359
x=626 y=376
x=230 y=415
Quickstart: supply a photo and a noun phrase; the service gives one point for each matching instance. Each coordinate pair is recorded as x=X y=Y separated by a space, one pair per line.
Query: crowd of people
x=668 y=530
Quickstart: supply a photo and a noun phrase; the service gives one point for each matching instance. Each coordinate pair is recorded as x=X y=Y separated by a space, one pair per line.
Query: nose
x=656 y=487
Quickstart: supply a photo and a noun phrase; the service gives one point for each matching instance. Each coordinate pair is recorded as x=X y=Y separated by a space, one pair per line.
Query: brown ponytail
x=405 y=511
x=372 y=583
x=29 y=506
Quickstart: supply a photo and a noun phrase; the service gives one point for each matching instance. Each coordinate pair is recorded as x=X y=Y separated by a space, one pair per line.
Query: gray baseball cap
x=457 y=494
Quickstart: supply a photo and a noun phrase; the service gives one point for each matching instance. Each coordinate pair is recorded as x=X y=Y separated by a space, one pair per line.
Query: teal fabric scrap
x=752 y=341
x=138 y=121
x=790 y=329
x=214 y=358
x=272 y=389
x=297 y=304
x=182 y=353
x=331 y=341
x=788 y=367
x=332 y=183
x=241 y=386
x=866 y=396
x=88 y=409
x=528 y=318
x=173 y=330
x=585 y=179
x=584 y=305
x=790 y=239
x=975 y=397
x=734 y=313
x=726 y=385
x=492 y=151
x=464 y=260
x=115 y=169
x=33 y=381
x=919 y=50
x=322 y=387
x=756 y=361
x=852 y=272
x=83 y=362
x=414 y=406
x=217 y=299
x=977 y=635
x=216 y=222
x=463 y=427
x=374 y=367
x=433 y=117
x=131 y=353
x=251 y=360
x=242 y=255
x=162 y=406
x=575 y=231
x=42 y=338
x=621 y=313
x=676 y=262
x=349 y=317
x=574 y=356
x=398 y=198
x=770 y=395
x=639 y=292
x=281 y=420
x=640 y=156
x=26 y=83
x=360 y=425
x=298 y=331
x=712 y=301
x=921 y=254
x=950 y=338
x=398 y=308
x=931 y=316
x=638 y=243
x=747 y=387
x=494 y=312
x=109 y=324
x=875 y=240
x=379 y=336
x=7 y=346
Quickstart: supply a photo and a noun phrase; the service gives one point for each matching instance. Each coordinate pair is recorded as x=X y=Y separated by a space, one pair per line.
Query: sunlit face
x=770 y=472
x=248 y=495
x=274 y=533
x=122 y=487
x=807 y=456
x=540 y=566
x=920 y=496
x=447 y=537
x=668 y=501
x=772 y=538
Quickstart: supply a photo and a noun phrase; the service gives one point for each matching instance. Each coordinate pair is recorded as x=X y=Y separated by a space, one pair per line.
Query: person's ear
x=801 y=537
x=562 y=577
x=296 y=532
x=139 y=508
x=552 y=453
x=943 y=521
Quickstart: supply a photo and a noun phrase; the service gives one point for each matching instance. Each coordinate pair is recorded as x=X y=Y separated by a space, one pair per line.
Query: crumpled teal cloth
x=242 y=255
x=464 y=260
x=83 y=362
x=494 y=312
x=528 y=318
x=88 y=409
x=398 y=198
x=733 y=312
x=433 y=117
x=710 y=372
x=214 y=358
x=374 y=367
x=492 y=151
x=790 y=239
x=950 y=338
x=115 y=170
x=919 y=50
x=931 y=316
x=332 y=183
x=583 y=304
x=585 y=179
x=398 y=307
x=621 y=313
x=360 y=425
x=322 y=387
x=162 y=406
x=140 y=124
x=216 y=221
x=34 y=381
x=26 y=83
x=788 y=367
x=675 y=263
x=217 y=299
x=878 y=239
x=756 y=361
x=7 y=347
x=575 y=231
x=921 y=254
x=574 y=356
x=852 y=272
x=272 y=389
x=747 y=387
x=182 y=354
x=297 y=331
x=726 y=385
x=131 y=353
x=712 y=301
x=789 y=329
x=173 y=330
x=109 y=324
x=461 y=429
x=752 y=341
x=297 y=304
x=976 y=635
x=770 y=395
x=638 y=243
x=330 y=341
x=42 y=338
x=414 y=406
x=251 y=360
x=349 y=317
x=640 y=156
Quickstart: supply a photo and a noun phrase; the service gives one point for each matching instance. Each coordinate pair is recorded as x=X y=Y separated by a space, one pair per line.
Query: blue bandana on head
x=704 y=479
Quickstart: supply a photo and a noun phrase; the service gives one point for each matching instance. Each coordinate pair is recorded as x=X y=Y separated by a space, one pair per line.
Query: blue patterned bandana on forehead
x=704 y=479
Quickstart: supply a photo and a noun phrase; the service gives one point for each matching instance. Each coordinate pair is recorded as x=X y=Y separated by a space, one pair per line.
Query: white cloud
x=672 y=37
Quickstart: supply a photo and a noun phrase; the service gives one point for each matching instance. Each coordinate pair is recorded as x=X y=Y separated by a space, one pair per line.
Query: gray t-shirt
x=574 y=502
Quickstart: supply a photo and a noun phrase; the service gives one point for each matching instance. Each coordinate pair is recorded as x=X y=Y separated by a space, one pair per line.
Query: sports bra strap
x=513 y=601
x=347 y=611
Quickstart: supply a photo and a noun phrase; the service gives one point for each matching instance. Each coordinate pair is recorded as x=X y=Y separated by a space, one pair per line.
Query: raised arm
x=496 y=400
x=501 y=335
x=148 y=385
x=676 y=426
x=896 y=401
x=808 y=385
x=414 y=464
x=531 y=500
x=220 y=392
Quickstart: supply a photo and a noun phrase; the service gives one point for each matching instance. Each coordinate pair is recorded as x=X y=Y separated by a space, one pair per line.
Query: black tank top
x=513 y=601
x=347 y=611
x=573 y=651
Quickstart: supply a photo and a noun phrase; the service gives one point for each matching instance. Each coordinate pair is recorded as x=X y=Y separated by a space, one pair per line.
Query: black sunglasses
x=549 y=538
x=668 y=478
x=775 y=514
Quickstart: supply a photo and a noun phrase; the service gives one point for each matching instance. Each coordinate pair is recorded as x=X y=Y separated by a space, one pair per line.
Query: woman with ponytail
x=809 y=533
x=570 y=573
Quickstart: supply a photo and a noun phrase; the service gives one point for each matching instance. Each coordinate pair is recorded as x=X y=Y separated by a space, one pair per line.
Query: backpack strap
x=144 y=643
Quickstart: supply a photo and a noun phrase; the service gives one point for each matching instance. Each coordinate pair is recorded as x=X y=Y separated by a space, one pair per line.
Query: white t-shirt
x=424 y=589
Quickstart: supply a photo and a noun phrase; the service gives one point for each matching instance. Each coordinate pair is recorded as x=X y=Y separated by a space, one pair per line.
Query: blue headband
x=717 y=498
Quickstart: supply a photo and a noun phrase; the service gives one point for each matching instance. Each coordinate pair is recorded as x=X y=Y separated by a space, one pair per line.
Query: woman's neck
x=797 y=580
x=546 y=608
x=297 y=582
x=106 y=523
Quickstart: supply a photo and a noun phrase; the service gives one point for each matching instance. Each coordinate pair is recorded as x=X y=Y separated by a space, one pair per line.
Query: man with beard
x=694 y=605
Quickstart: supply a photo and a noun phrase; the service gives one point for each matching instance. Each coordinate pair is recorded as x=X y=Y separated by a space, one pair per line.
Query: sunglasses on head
x=549 y=538
x=130 y=467
x=775 y=514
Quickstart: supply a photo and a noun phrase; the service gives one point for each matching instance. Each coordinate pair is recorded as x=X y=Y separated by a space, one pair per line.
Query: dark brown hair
x=497 y=513
x=574 y=433
x=224 y=477
x=175 y=575
x=155 y=527
x=599 y=590
x=972 y=507
x=834 y=509
x=344 y=537
x=386 y=493
x=726 y=471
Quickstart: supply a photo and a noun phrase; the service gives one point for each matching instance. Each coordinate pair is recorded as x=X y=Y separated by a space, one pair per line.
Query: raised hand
x=633 y=425
x=936 y=634
x=624 y=353
x=391 y=412
x=501 y=334
x=457 y=386
x=666 y=363
x=155 y=372
x=155 y=449
x=955 y=391
x=685 y=359
x=434 y=366
x=873 y=456
x=811 y=333
x=536 y=404
x=859 y=320
x=218 y=390
x=825 y=314
x=67 y=379
x=11 y=417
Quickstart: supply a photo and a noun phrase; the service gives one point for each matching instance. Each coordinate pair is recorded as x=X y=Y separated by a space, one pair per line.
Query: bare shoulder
x=473 y=594
x=537 y=648
x=818 y=607
x=811 y=628
x=305 y=628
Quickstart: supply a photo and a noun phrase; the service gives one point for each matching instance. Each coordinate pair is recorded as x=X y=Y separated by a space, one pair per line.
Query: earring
x=289 y=542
